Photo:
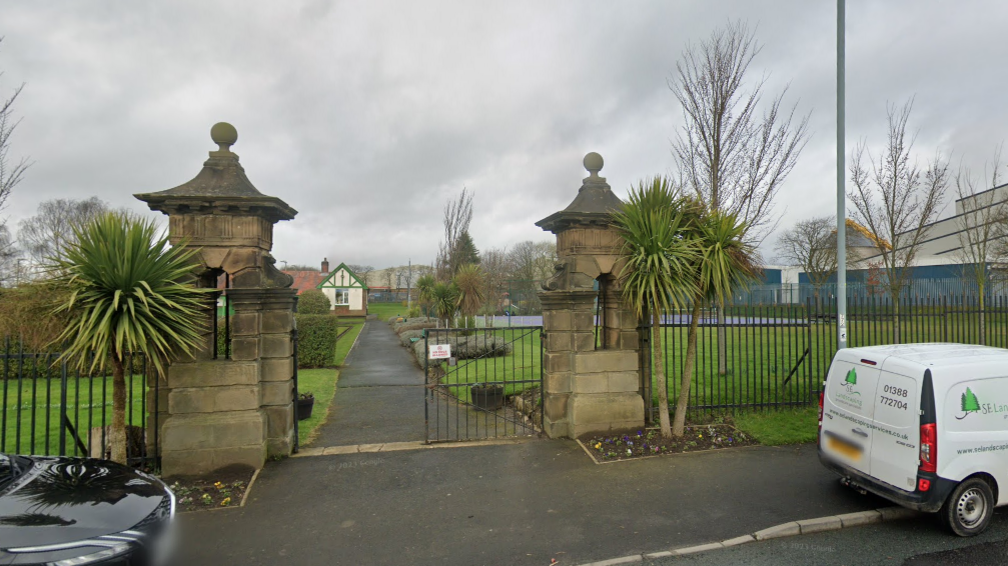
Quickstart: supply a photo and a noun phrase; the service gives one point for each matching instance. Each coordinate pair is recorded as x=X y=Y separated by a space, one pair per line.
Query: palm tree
x=424 y=286
x=128 y=291
x=444 y=299
x=657 y=273
x=470 y=283
x=726 y=263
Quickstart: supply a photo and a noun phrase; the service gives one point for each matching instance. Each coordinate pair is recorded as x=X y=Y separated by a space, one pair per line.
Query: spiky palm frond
x=129 y=291
x=658 y=255
x=727 y=263
x=444 y=299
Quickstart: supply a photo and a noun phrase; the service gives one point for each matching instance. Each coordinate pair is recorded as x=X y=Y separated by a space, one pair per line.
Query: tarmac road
x=519 y=504
x=911 y=542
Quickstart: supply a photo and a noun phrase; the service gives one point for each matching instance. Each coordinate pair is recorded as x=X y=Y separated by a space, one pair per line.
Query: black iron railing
x=47 y=408
x=778 y=355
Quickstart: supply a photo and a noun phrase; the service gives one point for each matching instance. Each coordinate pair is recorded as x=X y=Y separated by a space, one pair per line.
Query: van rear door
x=895 y=449
x=849 y=410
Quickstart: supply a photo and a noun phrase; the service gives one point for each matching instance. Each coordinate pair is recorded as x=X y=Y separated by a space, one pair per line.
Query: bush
x=414 y=324
x=467 y=347
x=406 y=337
x=26 y=312
x=313 y=301
x=317 y=334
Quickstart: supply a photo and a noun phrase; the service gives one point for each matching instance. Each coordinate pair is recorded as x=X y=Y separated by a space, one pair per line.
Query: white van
x=923 y=425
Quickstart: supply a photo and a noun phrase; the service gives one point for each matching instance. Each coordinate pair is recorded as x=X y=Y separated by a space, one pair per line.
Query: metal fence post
x=427 y=389
x=647 y=380
x=64 y=419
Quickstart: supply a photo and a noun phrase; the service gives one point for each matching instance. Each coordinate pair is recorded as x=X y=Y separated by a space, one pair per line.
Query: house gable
x=342 y=278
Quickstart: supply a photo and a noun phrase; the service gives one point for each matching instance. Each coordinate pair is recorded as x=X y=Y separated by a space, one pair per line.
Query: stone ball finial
x=224 y=135
x=593 y=163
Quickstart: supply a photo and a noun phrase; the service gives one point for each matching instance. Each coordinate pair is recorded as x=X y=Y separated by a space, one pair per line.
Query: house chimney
x=325 y=265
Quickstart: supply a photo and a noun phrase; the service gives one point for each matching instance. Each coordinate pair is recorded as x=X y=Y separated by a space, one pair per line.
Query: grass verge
x=322 y=384
x=345 y=342
x=777 y=427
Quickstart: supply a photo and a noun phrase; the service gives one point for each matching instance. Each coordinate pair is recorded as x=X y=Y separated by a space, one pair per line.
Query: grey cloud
x=366 y=117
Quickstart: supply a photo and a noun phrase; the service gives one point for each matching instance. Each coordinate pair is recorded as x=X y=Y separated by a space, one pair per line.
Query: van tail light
x=928 y=428
x=928 y=448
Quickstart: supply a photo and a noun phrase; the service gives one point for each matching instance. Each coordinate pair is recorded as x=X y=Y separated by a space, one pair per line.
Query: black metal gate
x=488 y=385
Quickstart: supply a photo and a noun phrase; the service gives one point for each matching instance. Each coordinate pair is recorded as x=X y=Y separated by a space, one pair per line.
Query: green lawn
x=86 y=399
x=782 y=426
x=385 y=310
x=345 y=342
x=322 y=384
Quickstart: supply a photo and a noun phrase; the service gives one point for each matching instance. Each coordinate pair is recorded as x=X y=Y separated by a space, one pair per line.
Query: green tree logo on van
x=968 y=403
x=850 y=381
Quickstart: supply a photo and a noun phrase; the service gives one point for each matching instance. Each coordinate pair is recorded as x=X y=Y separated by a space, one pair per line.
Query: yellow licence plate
x=843 y=447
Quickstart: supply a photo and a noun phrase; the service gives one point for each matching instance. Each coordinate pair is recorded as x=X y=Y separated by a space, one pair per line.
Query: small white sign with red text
x=439 y=351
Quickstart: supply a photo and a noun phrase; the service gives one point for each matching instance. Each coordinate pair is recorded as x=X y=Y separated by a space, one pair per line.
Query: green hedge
x=314 y=301
x=317 y=334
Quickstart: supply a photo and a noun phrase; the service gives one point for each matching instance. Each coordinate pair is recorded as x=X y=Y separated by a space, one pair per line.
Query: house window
x=342 y=297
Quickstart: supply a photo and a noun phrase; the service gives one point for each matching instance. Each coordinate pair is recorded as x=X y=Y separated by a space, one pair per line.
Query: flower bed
x=221 y=490
x=643 y=443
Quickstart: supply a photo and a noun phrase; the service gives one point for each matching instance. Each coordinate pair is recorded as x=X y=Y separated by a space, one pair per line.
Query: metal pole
x=841 y=288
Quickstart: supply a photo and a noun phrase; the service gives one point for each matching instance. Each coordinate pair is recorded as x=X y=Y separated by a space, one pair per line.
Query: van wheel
x=969 y=509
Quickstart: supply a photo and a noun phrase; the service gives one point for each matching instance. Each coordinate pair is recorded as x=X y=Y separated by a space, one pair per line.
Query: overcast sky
x=367 y=117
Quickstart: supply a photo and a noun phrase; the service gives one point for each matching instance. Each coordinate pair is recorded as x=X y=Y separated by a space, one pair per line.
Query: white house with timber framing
x=347 y=294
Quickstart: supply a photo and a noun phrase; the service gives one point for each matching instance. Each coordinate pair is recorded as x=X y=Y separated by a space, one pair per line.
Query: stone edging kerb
x=803 y=527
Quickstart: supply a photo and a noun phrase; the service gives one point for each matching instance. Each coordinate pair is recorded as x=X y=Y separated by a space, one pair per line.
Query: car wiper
x=16 y=468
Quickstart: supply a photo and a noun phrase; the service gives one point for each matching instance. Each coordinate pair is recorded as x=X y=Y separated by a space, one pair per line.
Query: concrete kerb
x=793 y=528
x=400 y=446
x=354 y=345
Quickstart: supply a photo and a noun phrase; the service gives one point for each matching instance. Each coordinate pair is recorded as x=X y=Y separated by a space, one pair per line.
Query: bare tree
x=362 y=272
x=496 y=270
x=531 y=263
x=45 y=236
x=730 y=156
x=11 y=172
x=733 y=159
x=897 y=200
x=457 y=216
x=812 y=245
x=9 y=262
x=981 y=216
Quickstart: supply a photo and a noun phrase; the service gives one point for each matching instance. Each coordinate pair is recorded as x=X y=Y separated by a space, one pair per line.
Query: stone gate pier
x=234 y=406
x=590 y=383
